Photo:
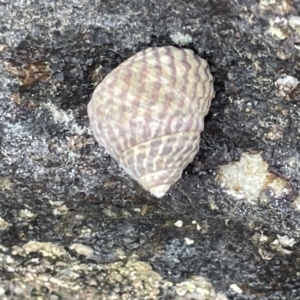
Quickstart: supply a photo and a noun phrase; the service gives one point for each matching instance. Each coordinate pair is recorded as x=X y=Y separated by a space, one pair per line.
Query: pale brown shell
x=148 y=114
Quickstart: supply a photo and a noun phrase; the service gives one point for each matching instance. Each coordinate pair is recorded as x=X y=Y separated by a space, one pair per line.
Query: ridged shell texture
x=148 y=114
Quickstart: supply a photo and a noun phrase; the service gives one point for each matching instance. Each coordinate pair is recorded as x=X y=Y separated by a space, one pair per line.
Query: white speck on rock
x=67 y=118
x=181 y=39
x=285 y=85
x=178 y=223
x=236 y=288
x=286 y=241
x=4 y=225
x=279 y=28
x=189 y=241
x=294 y=22
x=82 y=249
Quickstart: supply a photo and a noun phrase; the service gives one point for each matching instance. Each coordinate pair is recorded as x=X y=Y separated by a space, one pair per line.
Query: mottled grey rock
x=239 y=199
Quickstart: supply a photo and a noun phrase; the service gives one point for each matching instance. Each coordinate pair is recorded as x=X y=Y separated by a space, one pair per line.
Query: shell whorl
x=148 y=114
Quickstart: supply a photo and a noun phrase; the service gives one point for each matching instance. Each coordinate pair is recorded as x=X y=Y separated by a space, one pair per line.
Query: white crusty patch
x=249 y=177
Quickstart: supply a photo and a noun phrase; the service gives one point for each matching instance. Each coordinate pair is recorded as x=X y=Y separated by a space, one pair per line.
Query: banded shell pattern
x=148 y=114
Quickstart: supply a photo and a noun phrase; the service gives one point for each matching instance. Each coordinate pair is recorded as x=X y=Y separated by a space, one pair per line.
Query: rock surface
x=74 y=226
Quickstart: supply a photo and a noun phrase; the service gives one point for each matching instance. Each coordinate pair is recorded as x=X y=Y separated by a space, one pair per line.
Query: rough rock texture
x=74 y=226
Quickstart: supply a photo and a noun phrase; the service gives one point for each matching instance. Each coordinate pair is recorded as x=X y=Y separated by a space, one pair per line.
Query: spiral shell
x=148 y=114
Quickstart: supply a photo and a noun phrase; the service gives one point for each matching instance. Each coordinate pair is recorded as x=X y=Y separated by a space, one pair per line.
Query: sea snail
x=148 y=114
